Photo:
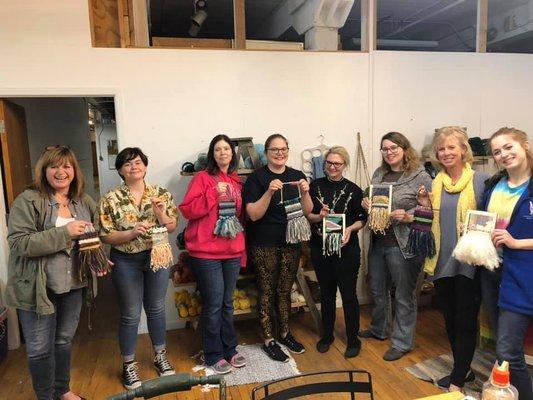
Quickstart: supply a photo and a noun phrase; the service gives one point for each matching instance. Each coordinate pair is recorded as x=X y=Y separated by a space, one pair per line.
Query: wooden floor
x=96 y=358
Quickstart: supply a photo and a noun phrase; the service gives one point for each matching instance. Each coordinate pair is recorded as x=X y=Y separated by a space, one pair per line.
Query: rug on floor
x=259 y=368
x=435 y=368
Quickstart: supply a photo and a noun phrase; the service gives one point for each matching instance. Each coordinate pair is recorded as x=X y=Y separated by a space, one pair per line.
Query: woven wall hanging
x=380 y=208
x=298 y=228
x=475 y=246
x=161 y=254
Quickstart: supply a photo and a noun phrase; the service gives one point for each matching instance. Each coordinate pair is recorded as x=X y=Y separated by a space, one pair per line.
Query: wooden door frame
x=14 y=334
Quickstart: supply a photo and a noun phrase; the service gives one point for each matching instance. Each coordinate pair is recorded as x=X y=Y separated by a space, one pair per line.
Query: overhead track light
x=198 y=18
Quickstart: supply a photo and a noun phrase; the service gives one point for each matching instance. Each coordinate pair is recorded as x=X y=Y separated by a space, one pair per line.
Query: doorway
x=87 y=125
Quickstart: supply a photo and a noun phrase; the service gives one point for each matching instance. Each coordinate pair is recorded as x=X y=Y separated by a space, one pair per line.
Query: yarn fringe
x=333 y=244
x=298 y=230
x=161 y=254
x=421 y=242
x=476 y=248
x=379 y=219
x=228 y=227
x=91 y=256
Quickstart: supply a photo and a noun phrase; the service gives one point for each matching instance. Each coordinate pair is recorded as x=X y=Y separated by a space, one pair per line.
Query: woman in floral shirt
x=126 y=215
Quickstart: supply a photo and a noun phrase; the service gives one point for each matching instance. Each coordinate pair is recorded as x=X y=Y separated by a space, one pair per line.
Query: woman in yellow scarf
x=456 y=189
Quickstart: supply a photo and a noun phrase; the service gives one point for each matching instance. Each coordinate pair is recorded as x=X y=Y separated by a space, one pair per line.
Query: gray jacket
x=30 y=244
x=404 y=193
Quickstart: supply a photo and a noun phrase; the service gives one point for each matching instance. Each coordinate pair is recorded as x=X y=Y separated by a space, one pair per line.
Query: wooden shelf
x=184 y=284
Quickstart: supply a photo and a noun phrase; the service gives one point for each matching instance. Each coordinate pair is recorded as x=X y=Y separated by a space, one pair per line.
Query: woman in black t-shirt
x=335 y=194
x=276 y=261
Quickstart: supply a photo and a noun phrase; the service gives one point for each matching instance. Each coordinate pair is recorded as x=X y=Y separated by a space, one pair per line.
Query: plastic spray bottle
x=498 y=386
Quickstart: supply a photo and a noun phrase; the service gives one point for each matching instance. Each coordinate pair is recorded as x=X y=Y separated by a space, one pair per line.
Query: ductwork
x=319 y=20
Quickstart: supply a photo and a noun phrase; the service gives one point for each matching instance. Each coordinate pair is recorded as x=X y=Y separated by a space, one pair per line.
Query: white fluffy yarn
x=476 y=248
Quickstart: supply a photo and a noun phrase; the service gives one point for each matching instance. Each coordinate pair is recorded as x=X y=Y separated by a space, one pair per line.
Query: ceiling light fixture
x=198 y=17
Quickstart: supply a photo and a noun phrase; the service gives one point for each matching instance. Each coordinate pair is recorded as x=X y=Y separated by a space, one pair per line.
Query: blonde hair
x=53 y=156
x=340 y=151
x=520 y=137
x=451 y=131
x=411 y=160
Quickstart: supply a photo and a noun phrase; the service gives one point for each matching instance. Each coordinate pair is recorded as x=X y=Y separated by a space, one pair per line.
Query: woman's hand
x=275 y=185
x=366 y=203
x=401 y=215
x=346 y=237
x=222 y=187
x=324 y=211
x=158 y=206
x=423 y=197
x=501 y=237
x=304 y=185
x=139 y=229
x=76 y=228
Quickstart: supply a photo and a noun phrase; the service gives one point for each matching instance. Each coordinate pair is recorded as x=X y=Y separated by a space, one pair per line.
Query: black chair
x=352 y=384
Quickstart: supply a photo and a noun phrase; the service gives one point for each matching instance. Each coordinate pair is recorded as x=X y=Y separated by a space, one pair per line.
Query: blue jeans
x=49 y=342
x=138 y=285
x=512 y=329
x=216 y=281
x=490 y=292
x=387 y=266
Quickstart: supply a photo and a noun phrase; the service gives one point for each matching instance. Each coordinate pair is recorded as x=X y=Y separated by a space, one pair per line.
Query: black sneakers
x=130 y=375
x=162 y=365
x=273 y=350
x=444 y=382
x=291 y=344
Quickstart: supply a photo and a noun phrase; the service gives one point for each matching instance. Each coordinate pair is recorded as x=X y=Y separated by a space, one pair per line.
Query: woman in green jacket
x=44 y=283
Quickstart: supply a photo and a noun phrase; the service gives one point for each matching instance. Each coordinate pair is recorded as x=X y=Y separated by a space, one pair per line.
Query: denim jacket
x=404 y=196
x=30 y=244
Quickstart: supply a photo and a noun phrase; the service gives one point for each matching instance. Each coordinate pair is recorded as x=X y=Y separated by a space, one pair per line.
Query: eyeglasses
x=391 y=149
x=335 y=165
x=275 y=150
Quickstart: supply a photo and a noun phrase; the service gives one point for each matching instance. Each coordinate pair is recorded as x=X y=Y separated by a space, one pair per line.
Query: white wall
x=414 y=93
x=63 y=121
x=171 y=102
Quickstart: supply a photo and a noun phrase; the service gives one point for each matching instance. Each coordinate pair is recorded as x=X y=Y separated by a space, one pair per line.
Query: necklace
x=336 y=198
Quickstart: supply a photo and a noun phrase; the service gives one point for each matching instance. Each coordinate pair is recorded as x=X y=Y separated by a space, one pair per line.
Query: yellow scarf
x=467 y=201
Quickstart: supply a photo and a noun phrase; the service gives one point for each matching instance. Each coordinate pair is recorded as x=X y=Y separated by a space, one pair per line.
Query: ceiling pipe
x=440 y=11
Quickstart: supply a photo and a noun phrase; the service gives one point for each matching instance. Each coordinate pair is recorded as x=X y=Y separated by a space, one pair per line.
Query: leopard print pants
x=276 y=269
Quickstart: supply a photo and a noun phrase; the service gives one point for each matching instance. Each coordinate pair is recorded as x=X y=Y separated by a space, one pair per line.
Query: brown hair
x=411 y=159
x=275 y=136
x=53 y=156
x=520 y=137
x=458 y=133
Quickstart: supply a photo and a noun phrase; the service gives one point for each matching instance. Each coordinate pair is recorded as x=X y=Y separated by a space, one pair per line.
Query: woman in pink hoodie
x=215 y=240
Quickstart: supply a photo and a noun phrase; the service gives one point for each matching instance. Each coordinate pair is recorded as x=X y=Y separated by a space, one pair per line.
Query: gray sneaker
x=221 y=367
x=237 y=361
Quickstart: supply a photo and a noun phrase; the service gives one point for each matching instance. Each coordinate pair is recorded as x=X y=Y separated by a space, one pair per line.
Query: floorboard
x=96 y=358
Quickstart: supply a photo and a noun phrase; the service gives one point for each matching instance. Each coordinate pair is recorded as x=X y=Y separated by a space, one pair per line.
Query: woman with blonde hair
x=337 y=265
x=456 y=189
x=44 y=281
x=509 y=293
x=390 y=263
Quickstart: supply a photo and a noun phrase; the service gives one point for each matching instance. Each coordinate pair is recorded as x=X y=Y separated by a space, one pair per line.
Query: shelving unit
x=252 y=313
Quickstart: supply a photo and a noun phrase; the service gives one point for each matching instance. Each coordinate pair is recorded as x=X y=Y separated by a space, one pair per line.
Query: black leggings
x=459 y=298
x=276 y=269
x=333 y=272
